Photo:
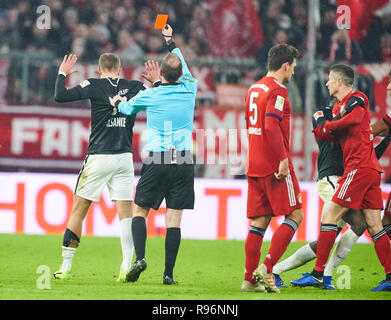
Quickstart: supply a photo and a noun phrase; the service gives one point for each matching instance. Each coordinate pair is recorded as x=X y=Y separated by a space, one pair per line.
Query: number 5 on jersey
x=253 y=108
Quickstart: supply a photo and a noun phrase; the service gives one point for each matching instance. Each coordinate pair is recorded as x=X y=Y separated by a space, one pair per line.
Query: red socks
x=382 y=248
x=280 y=241
x=252 y=248
x=328 y=234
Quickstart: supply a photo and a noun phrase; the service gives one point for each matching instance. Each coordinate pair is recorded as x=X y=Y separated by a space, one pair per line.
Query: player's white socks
x=300 y=257
x=341 y=250
x=126 y=243
x=67 y=256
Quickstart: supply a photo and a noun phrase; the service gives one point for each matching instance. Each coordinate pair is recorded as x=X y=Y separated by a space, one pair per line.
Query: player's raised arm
x=61 y=93
x=167 y=34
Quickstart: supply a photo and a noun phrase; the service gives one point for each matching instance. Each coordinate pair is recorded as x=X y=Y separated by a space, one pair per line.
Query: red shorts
x=267 y=195
x=387 y=209
x=359 y=189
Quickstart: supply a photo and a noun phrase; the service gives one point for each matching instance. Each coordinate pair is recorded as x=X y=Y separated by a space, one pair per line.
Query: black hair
x=345 y=72
x=280 y=54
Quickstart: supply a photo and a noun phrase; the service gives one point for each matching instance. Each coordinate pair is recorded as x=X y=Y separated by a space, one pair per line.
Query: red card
x=161 y=20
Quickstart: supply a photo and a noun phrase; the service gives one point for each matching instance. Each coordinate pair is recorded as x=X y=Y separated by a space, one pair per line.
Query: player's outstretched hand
x=167 y=32
x=113 y=100
x=67 y=64
x=152 y=73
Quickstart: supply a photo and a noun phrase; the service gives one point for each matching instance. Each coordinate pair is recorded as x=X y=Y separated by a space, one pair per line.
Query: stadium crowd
x=90 y=27
x=206 y=28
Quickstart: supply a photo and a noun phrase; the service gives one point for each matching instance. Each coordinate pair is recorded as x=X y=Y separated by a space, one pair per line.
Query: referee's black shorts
x=173 y=182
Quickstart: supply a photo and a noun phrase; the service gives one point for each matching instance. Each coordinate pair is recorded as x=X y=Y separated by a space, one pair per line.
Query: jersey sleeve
x=346 y=121
x=276 y=103
x=140 y=101
x=186 y=78
x=80 y=92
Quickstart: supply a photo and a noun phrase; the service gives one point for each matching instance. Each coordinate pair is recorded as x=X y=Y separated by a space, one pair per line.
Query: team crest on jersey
x=279 y=103
x=85 y=83
x=318 y=114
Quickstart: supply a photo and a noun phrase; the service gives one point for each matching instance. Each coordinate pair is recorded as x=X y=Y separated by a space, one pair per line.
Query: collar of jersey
x=170 y=84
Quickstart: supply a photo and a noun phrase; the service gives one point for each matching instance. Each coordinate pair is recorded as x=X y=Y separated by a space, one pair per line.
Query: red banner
x=42 y=138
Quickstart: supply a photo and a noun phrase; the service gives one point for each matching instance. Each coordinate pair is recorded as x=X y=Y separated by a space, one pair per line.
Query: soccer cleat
x=122 y=276
x=328 y=283
x=66 y=275
x=134 y=272
x=307 y=281
x=168 y=280
x=383 y=286
x=278 y=281
x=247 y=286
x=266 y=279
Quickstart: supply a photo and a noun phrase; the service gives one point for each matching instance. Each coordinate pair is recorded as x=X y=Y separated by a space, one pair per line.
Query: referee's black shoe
x=168 y=280
x=134 y=272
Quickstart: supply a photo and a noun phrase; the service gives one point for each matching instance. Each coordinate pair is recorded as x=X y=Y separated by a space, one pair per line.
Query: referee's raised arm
x=167 y=34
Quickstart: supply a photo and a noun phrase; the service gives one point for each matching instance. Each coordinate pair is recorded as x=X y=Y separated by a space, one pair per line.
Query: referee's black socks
x=173 y=240
x=139 y=231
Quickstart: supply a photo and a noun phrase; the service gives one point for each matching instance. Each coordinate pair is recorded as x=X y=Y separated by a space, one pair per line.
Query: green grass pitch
x=205 y=270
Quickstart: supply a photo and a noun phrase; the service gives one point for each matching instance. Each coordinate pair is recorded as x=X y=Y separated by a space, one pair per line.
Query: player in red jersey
x=382 y=127
x=273 y=189
x=359 y=187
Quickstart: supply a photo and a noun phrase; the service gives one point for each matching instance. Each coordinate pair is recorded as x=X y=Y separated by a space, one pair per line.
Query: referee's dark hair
x=171 y=67
x=280 y=54
x=109 y=62
x=345 y=72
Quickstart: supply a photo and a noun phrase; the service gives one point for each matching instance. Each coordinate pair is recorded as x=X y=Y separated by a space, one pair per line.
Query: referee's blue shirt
x=170 y=112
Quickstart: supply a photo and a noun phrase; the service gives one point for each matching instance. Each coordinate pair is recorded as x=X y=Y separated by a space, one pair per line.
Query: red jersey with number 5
x=267 y=98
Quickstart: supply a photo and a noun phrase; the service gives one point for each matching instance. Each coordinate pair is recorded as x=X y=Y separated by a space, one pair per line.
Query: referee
x=109 y=160
x=168 y=171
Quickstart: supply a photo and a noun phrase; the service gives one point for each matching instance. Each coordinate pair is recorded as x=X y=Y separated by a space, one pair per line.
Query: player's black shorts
x=173 y=182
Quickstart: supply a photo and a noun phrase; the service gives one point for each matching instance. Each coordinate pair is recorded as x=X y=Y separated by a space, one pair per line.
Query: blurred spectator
x=280 y=37
x=326 y=31
x=155 y=45
x=78 y=45
x=98 y=43
x=385 y=45
x=9 y=38
x=343 y=49
x=127 y=47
